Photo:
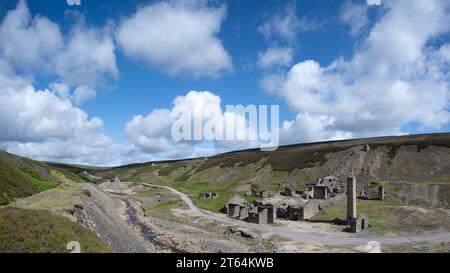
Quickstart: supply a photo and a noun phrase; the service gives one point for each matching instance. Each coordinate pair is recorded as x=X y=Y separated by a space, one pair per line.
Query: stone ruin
x=302 y=204
x=254 y=193
x=360 y=223
x=321 y=192
x=262 y=214
x=365 y=196
x=207 y=195
x=303 y=212
x=237 y=208
x=266 y=212
x=257 y=213
x=356 y=223
x=325 y=188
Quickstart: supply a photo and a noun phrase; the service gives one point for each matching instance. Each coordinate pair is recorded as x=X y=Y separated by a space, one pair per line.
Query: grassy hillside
x=20 y=182
x=25 y=231
x=393 y=161
x=22 y=177
x=13 y=183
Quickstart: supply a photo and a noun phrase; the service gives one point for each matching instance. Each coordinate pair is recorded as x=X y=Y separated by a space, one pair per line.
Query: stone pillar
x=351 y=199
x=381 y=193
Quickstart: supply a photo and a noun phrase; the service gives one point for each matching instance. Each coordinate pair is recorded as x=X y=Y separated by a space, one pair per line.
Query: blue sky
x=143 y=88
x=338 y=69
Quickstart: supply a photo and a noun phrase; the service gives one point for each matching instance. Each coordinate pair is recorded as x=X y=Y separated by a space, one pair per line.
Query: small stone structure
x=358 y=224
x=254 y=193
x=325 y=187
x=303 y=212
x=295 y=213
x=321 y=192
x=261 y=215
x=363 y=195
x=328 y=180
x=207 y=195
x=381 y=195
x=310 y=209
x=281 y=212
x=237 y=208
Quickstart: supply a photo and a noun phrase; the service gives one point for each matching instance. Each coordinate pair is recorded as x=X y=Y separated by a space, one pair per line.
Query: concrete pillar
x=351 y=199
x=381 y=193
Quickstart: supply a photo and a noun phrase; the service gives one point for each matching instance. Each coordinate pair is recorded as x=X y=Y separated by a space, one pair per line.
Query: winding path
x=344 y=239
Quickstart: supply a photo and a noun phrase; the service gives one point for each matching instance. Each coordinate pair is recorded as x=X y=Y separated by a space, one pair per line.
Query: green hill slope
x=14 y=183
x=25 y=231
x=20 y=177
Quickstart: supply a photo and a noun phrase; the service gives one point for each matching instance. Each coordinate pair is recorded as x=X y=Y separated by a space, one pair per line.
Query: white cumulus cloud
x=151 y=136
x=28 y=42
x=88 y=57
x=177 y=37
x=393 y=79
x=83 y=58
x=42 y=125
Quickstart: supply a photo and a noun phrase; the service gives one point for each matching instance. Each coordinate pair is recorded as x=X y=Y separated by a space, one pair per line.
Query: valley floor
x=136 y=217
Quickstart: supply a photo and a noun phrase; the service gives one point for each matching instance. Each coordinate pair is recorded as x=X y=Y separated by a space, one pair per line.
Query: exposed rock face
x=432 y=195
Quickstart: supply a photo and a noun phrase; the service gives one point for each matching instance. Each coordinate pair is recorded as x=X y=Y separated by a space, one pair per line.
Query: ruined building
x=257 y=213
x=237 y=208
x=363 y=195
x=254 y=193
x=303 y=212
x=321 y=192
x=325 y=187
x=261 y=215
x=207 y=195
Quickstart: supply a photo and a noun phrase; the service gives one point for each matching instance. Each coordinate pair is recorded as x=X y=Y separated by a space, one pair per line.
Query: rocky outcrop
x=431 y=195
